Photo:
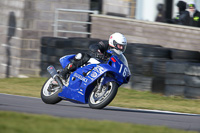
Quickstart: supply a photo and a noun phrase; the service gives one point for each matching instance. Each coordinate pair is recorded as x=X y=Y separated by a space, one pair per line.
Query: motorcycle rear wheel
x=98 y=102
x=50 y=97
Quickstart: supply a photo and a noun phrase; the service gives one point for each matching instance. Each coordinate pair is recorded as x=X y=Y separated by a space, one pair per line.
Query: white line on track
x=157 y=111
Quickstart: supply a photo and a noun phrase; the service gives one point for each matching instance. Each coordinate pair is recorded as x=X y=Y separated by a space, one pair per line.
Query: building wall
x=11 y=14
x=166 y=35
x=29 y=21
x=125 y=8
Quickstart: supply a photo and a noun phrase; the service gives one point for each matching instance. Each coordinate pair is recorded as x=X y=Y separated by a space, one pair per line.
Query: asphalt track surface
x=71 y=110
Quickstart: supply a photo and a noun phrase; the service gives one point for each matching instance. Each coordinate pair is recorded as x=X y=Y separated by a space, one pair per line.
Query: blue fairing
x=65 y=60
x=80 y=86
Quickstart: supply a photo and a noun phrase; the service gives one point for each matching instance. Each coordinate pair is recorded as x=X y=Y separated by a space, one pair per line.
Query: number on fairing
x=120 y=70
x=124 y=72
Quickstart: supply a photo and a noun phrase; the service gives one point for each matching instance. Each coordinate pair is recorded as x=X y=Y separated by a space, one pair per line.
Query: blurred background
x=161 y=55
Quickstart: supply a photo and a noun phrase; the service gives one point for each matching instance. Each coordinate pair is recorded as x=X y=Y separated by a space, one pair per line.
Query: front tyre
x=99 y=100
x=49 y=92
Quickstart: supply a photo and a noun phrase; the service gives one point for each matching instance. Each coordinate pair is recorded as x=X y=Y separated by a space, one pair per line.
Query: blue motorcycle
x=96 y=83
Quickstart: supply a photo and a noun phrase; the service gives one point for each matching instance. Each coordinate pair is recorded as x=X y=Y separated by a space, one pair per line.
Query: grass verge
x=12 y=122
x=125 y=97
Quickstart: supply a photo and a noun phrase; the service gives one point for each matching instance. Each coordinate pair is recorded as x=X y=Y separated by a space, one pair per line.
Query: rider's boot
x=66 y=71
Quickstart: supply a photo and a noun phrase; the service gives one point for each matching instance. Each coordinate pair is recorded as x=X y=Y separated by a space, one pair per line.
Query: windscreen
x=121 y=57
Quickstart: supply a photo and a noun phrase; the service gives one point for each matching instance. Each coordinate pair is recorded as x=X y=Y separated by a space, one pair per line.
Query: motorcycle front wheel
x=49 y=92
x=99 y=100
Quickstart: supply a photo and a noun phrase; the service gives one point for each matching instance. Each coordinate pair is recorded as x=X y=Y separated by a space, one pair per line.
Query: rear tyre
x=99 y=100
x=49 y=92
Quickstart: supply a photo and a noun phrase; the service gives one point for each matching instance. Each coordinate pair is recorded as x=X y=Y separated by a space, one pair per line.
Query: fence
x=57 y=21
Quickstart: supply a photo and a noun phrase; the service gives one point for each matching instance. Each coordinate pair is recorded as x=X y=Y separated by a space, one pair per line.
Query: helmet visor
x=120 y=47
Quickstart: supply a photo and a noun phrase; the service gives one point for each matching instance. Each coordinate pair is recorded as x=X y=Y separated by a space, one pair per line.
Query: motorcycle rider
x=117 y=42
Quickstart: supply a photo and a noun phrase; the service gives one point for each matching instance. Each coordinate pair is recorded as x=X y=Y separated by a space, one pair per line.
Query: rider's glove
x=100 y=55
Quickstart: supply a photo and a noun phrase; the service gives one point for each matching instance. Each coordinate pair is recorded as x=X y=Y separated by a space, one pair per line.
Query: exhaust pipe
x=52 y=71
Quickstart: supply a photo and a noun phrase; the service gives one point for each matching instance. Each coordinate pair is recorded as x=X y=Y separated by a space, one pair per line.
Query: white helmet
x=118 y=42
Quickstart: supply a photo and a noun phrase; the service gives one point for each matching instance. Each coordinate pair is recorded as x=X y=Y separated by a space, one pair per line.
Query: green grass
x=125 y=97
x=22 y=86
x=11 y=122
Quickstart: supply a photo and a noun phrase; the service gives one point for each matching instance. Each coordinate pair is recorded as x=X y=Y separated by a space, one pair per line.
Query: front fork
x=100 y=86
